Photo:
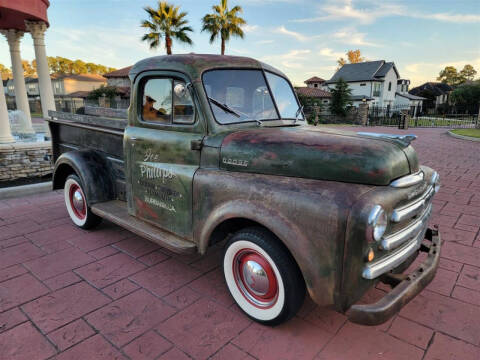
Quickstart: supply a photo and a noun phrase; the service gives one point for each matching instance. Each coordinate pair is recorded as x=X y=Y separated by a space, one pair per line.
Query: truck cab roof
x=194 y=65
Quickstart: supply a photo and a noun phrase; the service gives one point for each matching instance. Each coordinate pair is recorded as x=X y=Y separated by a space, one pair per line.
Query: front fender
x=92 y=169
x=308 y=216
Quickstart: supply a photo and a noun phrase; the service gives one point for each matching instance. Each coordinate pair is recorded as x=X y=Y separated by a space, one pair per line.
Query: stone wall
x=21 y=160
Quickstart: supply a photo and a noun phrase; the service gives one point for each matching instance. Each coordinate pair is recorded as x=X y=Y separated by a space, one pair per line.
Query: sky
x=303 y=38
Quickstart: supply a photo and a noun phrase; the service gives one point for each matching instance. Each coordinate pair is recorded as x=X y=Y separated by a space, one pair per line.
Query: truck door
x=162 y=152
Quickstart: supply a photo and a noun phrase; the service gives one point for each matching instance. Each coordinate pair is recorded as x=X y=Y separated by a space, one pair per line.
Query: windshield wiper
x=299 y=111
x=224 y=107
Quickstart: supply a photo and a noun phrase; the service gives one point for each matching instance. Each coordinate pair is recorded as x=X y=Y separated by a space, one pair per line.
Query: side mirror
x=181 y=89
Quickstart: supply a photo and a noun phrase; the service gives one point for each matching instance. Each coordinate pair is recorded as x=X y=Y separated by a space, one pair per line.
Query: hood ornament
x=406 y=139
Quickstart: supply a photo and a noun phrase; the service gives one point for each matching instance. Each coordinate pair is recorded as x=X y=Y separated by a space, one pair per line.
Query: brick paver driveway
x=107 y=294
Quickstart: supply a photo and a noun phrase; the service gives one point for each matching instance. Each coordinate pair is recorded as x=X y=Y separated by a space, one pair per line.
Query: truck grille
x=408 y=224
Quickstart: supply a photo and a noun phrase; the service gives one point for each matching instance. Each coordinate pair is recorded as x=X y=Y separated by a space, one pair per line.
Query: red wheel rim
x=77 y=201
x=255 y=278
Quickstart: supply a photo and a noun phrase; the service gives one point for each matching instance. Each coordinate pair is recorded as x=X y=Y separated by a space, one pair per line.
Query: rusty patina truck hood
x=317 y=154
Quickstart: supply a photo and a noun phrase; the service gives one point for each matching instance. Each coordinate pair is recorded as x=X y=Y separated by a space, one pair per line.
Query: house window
x=390 y=86
x=376 y=89
x=315 y=85
x=363 y=84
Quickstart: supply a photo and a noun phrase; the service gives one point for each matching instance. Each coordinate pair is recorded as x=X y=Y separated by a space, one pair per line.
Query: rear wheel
x=77 y=205
x=262 y=276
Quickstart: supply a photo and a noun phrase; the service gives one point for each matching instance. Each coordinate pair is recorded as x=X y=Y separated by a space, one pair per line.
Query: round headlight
x=378 y=221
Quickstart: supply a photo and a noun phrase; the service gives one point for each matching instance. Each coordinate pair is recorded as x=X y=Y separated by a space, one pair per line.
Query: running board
x=116 y=212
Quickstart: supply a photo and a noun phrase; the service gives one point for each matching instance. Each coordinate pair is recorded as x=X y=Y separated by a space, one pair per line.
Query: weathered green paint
x=313 y=188
x=306 y=153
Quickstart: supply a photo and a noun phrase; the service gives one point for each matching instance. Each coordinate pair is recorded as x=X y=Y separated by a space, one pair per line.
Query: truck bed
x=71 y=132
x=75 y=132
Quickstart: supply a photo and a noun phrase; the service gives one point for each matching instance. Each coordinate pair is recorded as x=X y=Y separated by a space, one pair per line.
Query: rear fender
x=93 y=170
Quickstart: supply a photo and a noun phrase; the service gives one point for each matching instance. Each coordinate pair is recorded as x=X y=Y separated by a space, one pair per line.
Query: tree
x=340 y=98
x=353 y=56
x=223 y=23
x=63 y=65
x=467 y=96
x=166 y=22
x=107 y=91
x=310 y=106
x=5 y=72
x=28 y=70
x=468 y=72
x=450 y=76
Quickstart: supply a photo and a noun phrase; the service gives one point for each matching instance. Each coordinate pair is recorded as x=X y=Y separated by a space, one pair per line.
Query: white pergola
x=37 y=31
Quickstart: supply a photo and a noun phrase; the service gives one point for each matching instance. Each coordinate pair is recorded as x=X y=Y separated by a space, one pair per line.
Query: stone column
x=37 y=30
x=362 y=114
x=5 y=133
x=21 y=99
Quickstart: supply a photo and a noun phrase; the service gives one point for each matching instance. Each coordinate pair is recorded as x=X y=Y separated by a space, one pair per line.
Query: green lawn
x=468 y=132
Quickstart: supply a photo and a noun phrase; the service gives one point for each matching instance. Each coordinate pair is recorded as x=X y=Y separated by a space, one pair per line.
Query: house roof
x=437 y=88
x=313 y=92
x=122 y=73
x=364 y=71
x=80 y=77
x=314 y=79
x=79 y=94
x=410 y=96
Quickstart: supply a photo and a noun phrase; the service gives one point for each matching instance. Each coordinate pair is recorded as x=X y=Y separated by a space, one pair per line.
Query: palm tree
x=166 y=22
x=224 y=23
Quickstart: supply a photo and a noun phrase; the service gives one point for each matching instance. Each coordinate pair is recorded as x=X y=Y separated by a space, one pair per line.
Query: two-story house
x=374 y=81
x=119 y=78
x=404 y=99
x=436 y=93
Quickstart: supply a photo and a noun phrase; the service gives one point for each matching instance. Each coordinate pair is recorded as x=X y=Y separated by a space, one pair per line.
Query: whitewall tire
x=77 y=205
x=262 y=276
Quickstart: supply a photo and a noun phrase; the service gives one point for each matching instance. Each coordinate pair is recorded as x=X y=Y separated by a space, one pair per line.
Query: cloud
x=350 y=36
x=329 y=53
x=250 y=28
x=292 y=59
x=345 y=10
x=263 y=42
x=338 y=10
x=300 y=37
x=421 y=72
x=448 y=17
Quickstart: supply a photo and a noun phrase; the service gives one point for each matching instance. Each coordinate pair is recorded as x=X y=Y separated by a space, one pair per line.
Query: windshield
x=243 y=95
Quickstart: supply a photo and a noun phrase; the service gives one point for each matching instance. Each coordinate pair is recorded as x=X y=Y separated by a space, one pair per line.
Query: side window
x=390 y=86
x=183 y=107
x=157 y=101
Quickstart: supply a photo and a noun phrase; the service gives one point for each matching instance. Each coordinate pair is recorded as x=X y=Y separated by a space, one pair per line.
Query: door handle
x=196 y=144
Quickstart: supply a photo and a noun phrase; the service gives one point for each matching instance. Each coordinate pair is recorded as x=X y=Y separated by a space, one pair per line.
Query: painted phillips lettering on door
x=151 y=171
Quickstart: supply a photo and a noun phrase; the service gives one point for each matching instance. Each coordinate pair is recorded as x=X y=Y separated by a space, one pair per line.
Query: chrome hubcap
x=256 y=279
x=77 y=201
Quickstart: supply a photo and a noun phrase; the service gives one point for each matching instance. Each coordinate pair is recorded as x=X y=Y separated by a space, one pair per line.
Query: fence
x=325 y=117
x=391 y=116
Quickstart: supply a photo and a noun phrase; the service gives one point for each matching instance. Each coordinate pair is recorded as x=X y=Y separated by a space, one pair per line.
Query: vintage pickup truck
x=216 y=149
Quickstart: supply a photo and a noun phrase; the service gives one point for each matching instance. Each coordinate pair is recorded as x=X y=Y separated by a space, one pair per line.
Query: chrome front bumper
x=405 y=286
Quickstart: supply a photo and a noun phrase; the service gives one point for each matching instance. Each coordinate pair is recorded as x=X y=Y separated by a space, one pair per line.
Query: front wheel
x=77 y=206
x=262 y=276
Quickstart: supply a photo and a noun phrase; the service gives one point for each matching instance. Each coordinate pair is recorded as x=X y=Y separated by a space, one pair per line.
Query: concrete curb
x=23 y=190
x=462 y=137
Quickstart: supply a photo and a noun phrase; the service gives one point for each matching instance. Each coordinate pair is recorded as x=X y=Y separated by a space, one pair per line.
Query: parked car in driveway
x=215 y=149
